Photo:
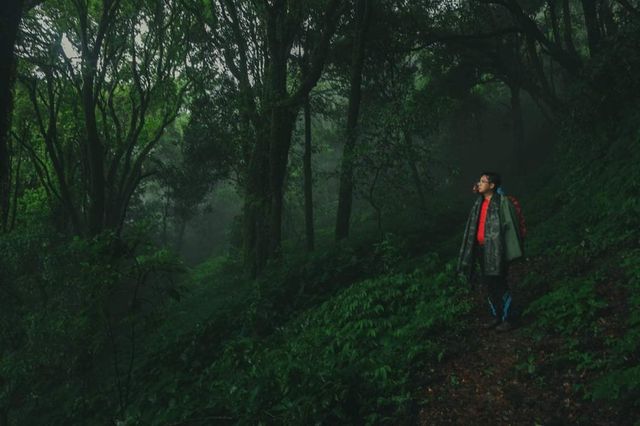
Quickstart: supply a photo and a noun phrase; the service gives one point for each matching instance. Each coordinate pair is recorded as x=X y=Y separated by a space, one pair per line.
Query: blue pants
x=498 y=294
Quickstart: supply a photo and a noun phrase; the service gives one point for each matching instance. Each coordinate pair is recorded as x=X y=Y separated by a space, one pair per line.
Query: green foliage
x=388 y=252
x=621 y=379
x=590 y=270
x=569 y=308
x=347 y=360
x=101 y=331
x=304 y=280
x=70 y=304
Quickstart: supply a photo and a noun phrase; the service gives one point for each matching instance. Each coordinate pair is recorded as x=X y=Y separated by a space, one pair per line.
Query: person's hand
x=475 y=188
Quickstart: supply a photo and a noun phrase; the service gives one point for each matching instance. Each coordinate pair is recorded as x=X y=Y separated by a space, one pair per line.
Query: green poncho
x=502 y=241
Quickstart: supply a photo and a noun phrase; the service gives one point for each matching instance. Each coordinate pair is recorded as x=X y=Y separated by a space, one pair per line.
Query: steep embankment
x=574 y=357
x=346 y=360
x=528 y=376
x=365 y=334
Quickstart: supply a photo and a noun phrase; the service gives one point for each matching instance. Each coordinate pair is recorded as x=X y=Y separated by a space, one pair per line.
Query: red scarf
x=482 y=220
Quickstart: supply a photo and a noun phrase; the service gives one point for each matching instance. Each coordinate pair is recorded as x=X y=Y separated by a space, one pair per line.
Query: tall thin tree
x=345 y=195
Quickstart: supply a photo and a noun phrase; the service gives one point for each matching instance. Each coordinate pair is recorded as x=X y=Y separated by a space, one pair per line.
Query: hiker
x=493 y=237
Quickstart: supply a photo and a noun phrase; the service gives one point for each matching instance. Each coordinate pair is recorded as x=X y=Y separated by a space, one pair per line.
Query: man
x=492 y=237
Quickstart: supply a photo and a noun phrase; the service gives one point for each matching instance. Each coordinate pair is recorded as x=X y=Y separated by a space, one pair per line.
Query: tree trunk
x=276 y=118
x=568 y=34
x=591 y=23
x=308 y=182
x=10 y=16
x=345 y=195
x=545 y=93
x=95 y=152
x=255 y=210
x=182 y=227
x=16 y=189
x=518 y=130
x=283 y=120
x=555 y=26
x=4 y=416
x=415 y=173
x=608 y=25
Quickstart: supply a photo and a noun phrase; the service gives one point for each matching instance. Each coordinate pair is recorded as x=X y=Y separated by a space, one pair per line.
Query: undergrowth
x=347 y=360
x=587 y=231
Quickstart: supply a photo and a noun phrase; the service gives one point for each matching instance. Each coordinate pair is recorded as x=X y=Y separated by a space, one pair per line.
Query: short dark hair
x=493 y=177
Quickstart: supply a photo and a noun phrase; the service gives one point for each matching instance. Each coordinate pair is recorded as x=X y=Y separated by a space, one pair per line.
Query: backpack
x=511 y=228
x=521 y=223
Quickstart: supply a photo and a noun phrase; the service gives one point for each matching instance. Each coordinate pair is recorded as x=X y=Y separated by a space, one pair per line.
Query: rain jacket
x=502 y=240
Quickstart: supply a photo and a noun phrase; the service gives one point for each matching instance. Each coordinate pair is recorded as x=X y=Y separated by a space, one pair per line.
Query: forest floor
x=506 y=378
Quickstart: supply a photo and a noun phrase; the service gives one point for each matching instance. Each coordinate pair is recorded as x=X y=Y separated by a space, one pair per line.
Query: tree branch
x=334 y=10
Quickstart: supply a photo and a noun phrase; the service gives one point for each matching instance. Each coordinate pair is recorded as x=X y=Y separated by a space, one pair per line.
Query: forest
x=253 y=212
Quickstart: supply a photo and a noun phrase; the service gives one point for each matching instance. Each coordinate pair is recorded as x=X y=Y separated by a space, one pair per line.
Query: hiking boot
x=493 y=323
x=505 y=326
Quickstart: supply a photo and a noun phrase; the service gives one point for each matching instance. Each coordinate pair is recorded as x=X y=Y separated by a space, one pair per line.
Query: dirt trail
x=505 y=378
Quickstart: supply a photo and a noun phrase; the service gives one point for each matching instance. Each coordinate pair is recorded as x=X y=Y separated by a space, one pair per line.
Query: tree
x=11 y=12
x=261 y=43
x=101 y=77
x=345 y=197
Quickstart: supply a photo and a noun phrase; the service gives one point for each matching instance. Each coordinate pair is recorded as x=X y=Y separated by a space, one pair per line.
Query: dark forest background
x=249 y=212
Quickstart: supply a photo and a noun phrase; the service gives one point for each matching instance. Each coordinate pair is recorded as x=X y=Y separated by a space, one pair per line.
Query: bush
x=74 y=309
x=348 y=359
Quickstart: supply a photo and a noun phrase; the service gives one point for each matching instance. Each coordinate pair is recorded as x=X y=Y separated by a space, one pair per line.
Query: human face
x=484 y=186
